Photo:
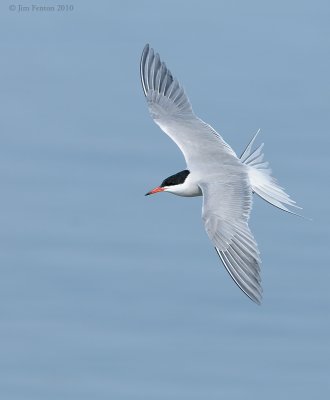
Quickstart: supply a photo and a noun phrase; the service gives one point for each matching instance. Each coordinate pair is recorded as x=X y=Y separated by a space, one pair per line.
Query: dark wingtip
x=144 y=56
x=146 y=49
x=256 y=299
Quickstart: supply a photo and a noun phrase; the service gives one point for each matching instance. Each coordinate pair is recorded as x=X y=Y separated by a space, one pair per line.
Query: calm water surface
x=106 y=294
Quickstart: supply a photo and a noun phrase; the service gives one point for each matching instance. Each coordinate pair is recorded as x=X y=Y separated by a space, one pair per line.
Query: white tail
x=261 y=180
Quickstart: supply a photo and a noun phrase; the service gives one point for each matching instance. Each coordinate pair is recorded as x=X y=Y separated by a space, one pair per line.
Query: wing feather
x=226 y=210
x=171 y=110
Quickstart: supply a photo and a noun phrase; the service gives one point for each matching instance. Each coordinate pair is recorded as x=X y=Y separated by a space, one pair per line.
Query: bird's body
x=213 y=171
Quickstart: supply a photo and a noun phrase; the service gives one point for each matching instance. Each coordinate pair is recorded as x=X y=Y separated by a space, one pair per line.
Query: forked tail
x=261 y=180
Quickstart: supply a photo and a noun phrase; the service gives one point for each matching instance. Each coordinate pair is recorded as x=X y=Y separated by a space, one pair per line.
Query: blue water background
x=107 y=294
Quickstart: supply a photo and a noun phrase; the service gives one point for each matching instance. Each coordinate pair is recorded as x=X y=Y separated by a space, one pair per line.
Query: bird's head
x=172 y=184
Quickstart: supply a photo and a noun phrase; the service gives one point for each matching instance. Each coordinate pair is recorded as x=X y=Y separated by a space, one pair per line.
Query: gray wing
x=226 y=208
x=171 y=110
x=227 y=196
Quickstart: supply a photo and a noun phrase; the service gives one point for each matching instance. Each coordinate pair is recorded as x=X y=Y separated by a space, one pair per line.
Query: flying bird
x=214 y=171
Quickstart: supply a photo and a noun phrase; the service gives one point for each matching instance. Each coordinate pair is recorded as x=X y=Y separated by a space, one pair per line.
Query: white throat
x=189 y=188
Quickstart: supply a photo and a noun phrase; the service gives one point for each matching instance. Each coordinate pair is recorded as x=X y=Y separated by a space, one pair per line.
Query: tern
x=214 y=171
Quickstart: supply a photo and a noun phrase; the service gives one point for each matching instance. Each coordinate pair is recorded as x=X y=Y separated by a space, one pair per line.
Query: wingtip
x=258 y=302
x=257 y=299
x=254 y=297
x=144 y=56
x=145 y=51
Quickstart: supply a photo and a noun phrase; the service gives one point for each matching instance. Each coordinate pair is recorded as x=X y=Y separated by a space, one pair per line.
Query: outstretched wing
x=171 y=110
x=226 y=208
x=227 y=194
